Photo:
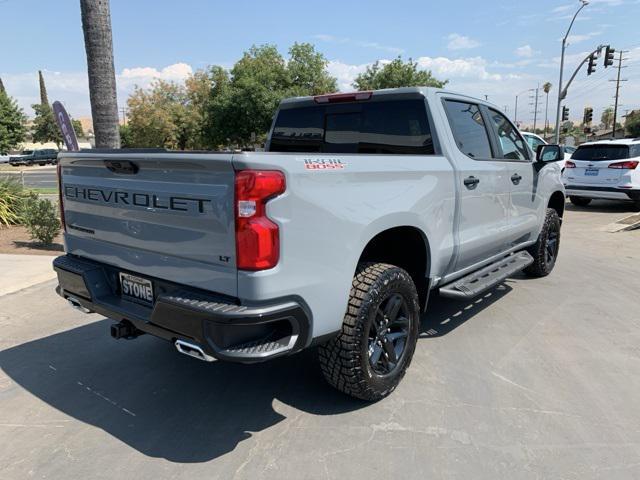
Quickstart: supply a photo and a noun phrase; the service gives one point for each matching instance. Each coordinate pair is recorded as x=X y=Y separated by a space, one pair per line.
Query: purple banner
x=66 y=127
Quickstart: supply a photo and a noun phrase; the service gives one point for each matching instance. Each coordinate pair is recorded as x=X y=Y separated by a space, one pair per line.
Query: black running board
x=482 y=280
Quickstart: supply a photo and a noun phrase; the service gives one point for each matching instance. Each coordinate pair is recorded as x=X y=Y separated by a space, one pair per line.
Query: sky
x=496 y=48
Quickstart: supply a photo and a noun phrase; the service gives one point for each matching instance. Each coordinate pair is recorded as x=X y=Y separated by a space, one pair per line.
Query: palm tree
x=96 y=26
x=546 y=88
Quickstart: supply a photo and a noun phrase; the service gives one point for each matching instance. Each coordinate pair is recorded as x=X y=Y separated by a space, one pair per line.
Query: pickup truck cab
x=362 y=205
x=35 y=157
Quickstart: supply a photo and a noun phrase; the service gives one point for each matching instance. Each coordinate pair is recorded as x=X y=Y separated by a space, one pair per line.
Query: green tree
x=168 y=115
x=2 y=89
x=12 y=129
x=77 y=128
x=307 y=71
x=125 y=137
x=632 y=125
x=242 y=104
x=546 y=88
x=395 y=74
x=607 y=118
x=44 y=98
x=45 y=128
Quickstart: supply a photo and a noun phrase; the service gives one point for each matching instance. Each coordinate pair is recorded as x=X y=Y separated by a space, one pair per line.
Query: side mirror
x=549 y=153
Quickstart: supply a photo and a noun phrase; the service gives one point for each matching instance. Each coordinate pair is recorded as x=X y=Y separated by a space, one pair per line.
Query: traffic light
x=608 y=56
x=592 y=64
x=588 y=115
x=565 y=114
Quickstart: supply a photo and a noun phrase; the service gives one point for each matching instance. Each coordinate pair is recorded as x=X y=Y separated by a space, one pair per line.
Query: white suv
x=604 y=169
x=535 y=141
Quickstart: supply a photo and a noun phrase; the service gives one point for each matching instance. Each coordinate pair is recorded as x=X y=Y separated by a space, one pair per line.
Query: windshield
x=533 y=141
x=596 y=153
x=27 y=152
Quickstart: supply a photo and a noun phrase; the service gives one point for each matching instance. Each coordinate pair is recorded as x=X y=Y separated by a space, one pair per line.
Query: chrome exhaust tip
x=192 y=350
x=75 y=303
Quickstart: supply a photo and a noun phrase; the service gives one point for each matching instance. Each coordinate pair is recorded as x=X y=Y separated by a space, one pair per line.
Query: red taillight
x=569 y=164
x=60 y=196
x=629 y=165
x=257 y=237
x=342 y=97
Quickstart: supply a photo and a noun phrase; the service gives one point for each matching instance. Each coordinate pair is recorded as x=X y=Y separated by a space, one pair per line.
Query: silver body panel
x=326 y=217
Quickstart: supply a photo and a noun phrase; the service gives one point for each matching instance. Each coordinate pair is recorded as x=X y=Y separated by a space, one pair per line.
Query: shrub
x=12 y=196
x=41 y=219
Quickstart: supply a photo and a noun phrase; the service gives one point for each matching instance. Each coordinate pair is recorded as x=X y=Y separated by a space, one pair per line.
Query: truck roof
x=428 y=92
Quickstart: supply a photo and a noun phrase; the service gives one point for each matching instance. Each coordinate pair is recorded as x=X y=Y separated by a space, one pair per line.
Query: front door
x=525 y=203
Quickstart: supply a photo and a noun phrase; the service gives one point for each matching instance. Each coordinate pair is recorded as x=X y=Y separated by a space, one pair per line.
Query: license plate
x=136 y=288
x=591 y=172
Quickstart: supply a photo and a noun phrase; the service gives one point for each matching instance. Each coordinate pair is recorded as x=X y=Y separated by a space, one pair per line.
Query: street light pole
x=515 y=111
x=564 y=47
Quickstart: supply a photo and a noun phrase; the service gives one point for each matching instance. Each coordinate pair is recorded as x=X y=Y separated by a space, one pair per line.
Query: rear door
x=593 y=165
x=483 y=184
x=165 y=215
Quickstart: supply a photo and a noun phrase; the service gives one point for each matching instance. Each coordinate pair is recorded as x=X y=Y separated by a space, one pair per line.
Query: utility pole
x=618 y=80
x=535 y=108
x=124 y=115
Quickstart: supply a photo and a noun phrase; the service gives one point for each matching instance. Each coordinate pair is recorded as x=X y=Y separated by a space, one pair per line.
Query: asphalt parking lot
x=537 y=379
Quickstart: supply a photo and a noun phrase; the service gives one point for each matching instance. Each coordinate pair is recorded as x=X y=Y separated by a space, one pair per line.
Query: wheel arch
x=557 y=202
x=407 y=247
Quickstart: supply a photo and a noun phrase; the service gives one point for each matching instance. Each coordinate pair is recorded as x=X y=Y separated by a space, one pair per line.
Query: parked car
x=362 y=204
x=604 y=169
x=35 y=157
x=4 y=158
x=535 y=141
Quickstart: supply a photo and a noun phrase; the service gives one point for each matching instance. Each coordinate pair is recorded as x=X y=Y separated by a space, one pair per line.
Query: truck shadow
x=169 y=406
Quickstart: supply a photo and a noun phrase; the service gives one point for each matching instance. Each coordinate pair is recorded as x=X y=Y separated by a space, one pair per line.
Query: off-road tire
x=345 y=360
x=580 y=201
x=542 y=265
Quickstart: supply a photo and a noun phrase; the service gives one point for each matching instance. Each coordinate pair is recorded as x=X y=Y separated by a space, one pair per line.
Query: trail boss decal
x=323 y=163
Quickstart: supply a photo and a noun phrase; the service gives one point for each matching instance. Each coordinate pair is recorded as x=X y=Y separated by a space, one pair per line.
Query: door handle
x=471 y=182
x=515 y=178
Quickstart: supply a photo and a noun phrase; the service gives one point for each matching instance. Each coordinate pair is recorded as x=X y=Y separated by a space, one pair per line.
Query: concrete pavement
x=536 y=379
x=22 y=271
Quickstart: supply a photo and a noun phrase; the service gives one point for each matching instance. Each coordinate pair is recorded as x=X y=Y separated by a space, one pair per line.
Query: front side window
x=468 y=129
x=382 y=127
x=511 y=142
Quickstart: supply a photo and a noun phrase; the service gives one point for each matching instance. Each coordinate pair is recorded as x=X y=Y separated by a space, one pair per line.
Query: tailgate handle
x=122 y=166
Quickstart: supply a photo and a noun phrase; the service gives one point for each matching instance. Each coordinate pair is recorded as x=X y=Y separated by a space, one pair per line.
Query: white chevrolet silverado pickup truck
x=362 y=204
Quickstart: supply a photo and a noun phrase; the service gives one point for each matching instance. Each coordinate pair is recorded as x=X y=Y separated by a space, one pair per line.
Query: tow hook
x=126 y=330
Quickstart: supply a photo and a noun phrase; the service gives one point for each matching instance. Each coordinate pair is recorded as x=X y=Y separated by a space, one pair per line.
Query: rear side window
x=468 y=129
x=384 y=127
x=595 y=153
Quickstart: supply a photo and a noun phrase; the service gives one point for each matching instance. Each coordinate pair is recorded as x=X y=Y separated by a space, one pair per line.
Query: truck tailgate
x=165 y=215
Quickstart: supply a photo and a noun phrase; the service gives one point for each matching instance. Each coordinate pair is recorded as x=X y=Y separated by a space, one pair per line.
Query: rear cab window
x=377 y=126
